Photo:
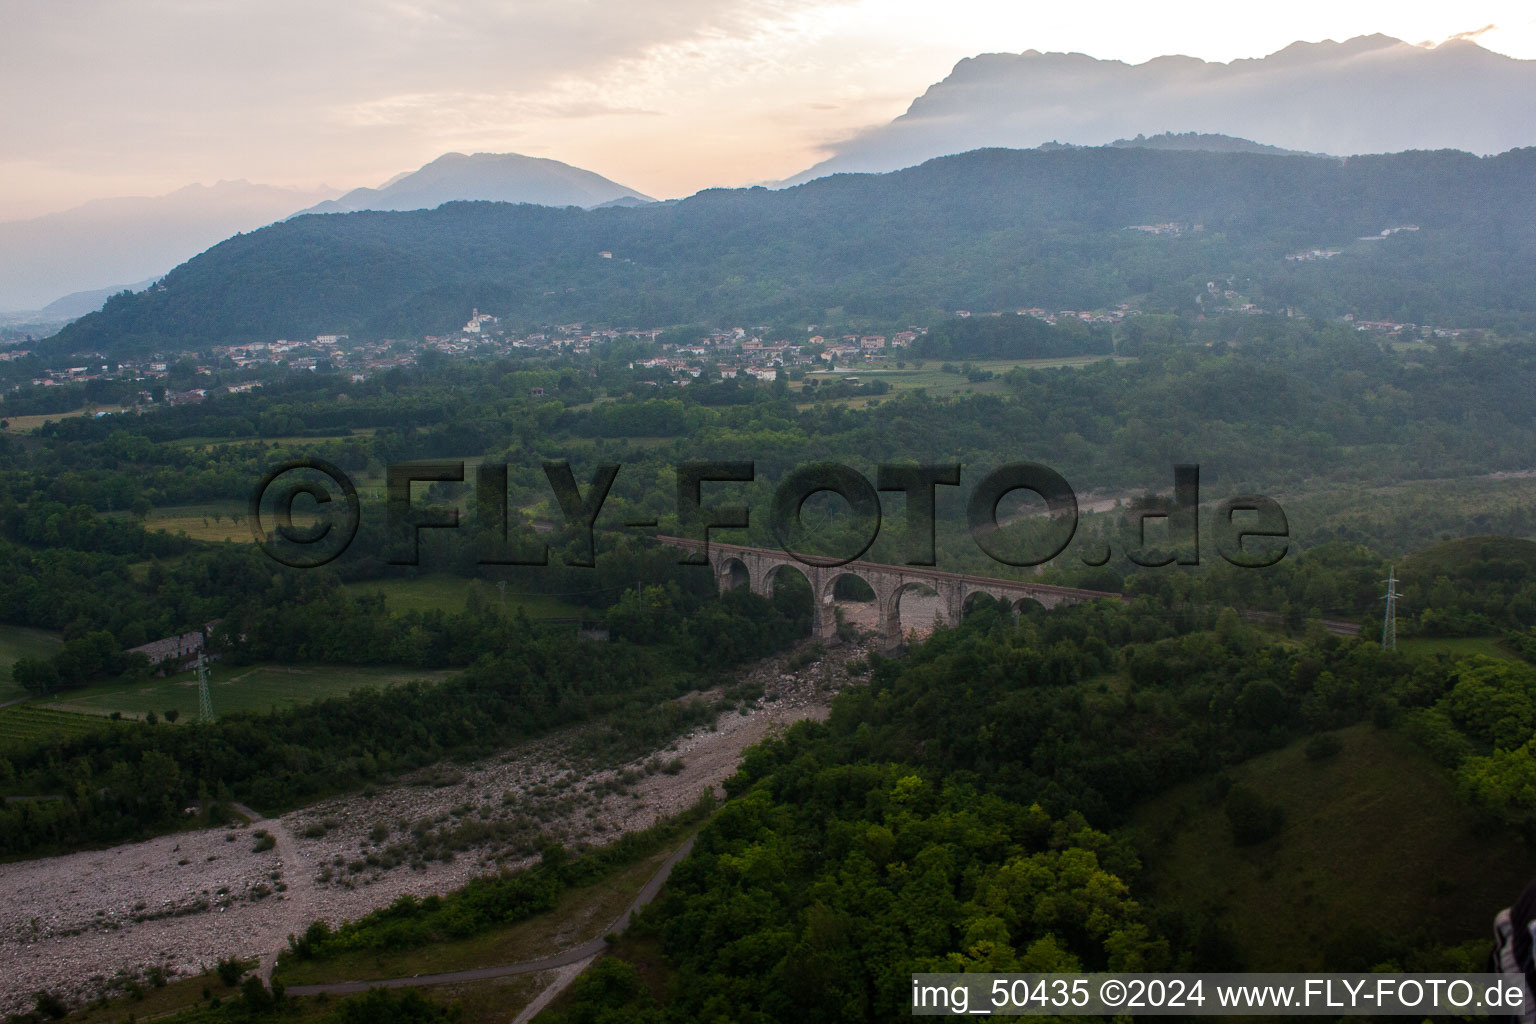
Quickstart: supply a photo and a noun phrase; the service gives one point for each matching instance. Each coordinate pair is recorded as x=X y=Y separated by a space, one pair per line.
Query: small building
x=172 y=654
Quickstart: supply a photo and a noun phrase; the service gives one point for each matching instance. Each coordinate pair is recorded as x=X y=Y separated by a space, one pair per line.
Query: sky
x=140 y=97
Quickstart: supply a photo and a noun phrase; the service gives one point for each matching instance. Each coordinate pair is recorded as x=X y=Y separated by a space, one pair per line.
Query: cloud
x=222 y=87
x=452 y=113
x=1474 y=33
x=109 y=97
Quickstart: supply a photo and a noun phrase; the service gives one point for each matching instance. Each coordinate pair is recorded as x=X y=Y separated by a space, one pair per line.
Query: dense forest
x=971 y=805
x=988 y=230
x=917 y=832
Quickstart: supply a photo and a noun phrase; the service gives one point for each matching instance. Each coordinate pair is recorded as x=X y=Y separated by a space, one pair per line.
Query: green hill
x=987 y=230
x=1376 y=856
x=1474 y=558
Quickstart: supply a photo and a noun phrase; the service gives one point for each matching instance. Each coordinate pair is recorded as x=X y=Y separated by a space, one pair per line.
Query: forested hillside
x=993 y=229
x=964 y=812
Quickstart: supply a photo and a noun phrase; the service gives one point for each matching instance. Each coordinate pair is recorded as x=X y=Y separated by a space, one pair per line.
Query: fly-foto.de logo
x=1249 y=531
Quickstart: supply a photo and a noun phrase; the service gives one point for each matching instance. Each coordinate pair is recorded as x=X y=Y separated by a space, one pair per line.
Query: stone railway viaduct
x=756 y=568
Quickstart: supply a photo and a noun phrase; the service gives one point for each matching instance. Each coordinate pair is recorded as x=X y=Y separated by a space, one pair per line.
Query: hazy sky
x=125 y=97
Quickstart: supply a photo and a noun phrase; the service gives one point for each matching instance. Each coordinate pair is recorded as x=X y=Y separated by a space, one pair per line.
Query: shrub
x=229 y=971
x=255 y=995
x=1253 y=819
x=1323 y=746
x=50 y=1006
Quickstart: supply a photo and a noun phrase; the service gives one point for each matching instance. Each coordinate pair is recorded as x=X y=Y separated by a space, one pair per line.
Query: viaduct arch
x=735 y=565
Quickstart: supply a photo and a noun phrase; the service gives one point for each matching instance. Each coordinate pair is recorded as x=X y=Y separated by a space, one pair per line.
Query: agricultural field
x=209 y=521
x=27 y=424
x=935 y=381
x=235 y=688
x=24 y=724
x=451 y=593
x=21 y=642
x=1375 y=847
x=204 y=443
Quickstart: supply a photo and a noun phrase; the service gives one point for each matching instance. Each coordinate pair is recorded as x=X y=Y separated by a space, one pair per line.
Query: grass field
x=22 y=724
x=1375 y=844
x=1457 y=647
x=27 y=424
x=451 y=593
x=236 y=688
x=21 y=642
x=185 y=995
x=581 y=914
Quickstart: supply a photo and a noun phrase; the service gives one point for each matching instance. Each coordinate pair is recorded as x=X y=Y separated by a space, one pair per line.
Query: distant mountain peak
x=497 y=177
x=1366 y=94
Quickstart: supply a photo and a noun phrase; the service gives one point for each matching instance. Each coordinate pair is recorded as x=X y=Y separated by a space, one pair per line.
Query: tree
x=35 y=675
x=159 y=775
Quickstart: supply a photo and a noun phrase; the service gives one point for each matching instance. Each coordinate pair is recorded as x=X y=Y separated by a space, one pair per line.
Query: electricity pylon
x=1389 y=621
x=204 y=700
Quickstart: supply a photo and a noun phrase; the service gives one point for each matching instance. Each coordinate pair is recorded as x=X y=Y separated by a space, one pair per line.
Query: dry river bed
x=87 y=924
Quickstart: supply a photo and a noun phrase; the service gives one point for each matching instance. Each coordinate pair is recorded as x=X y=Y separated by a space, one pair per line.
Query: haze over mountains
x=1370 y=94
x=498 y=177
x=94 y=250
x=108 y=243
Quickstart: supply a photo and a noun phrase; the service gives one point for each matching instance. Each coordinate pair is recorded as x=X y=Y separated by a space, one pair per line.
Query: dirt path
x=298 y=904
x=578 y=954
x=562 y=979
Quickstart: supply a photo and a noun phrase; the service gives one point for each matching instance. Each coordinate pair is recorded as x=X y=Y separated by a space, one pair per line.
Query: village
x=670 y=357
x=728 y=353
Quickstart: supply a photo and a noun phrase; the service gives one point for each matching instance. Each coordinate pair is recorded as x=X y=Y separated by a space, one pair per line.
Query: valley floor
x=184 y=901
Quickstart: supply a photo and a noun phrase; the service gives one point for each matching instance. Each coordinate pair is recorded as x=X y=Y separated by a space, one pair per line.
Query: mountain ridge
x=992 y=229
x=1367 y=94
